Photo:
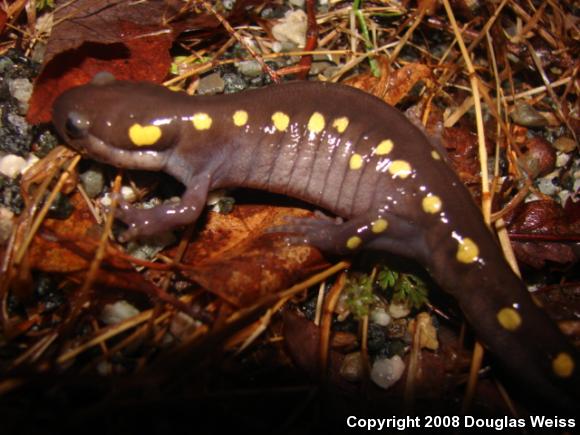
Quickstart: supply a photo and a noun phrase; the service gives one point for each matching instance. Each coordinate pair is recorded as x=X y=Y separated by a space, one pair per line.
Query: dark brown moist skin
x=341 y=150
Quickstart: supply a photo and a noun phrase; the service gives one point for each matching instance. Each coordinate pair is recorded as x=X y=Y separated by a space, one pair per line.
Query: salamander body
x=346 y=152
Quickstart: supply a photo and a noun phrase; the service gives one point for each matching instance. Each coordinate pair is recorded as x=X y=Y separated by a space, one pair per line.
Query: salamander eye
x=76 y=125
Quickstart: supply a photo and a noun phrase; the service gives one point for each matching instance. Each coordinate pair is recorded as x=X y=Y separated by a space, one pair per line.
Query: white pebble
x=118 y=312
x=297 y=3
x=105 y=368
x=216 y=196
x=292 y=28
x=106 y=200
x=386 y=372
x=128 y=194
x=21 y=90
x=276 y=47
x=562 y=159
x=546 y=186
x=398 y=310
x=11 y=165
x=380 y=316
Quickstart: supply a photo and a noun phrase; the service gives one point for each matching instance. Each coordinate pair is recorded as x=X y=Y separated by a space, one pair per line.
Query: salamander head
x=111 y=121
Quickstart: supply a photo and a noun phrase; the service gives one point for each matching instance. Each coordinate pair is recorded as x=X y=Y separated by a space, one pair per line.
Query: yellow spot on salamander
x=509 y=319
x=354 y=242
x=432 y=204
x=563 y=365
x=340 y=124
x=316 y=123
x=281 y=121
x=356 y=162
x=144 y=135
x=400 y=168
x=379 y=226
x=240 y=118
x=201 y=121
x=435 y=155
x=467 y=252
x=384 y=148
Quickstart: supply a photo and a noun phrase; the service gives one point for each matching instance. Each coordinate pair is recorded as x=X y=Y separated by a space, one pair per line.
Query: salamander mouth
x=102 y=151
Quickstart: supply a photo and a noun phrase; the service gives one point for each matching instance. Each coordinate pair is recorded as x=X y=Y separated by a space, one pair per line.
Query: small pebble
x=352 y=367
x=386 y=372
x=128 y=194
x=93 y=181
x=398 y=310
x=182 y=325
x=148 y=247
x=118 y=312
x=105 y=368
x=11 y=165
x=380 y=316
x=297 y=3
x=211 y=84
x=249 y=68
x=547 y=186
x=233 y=83
x=526 y=115
x=292 y=28
x=21 y=90
x=228 y=4
x=562 y=159
x=320 y=67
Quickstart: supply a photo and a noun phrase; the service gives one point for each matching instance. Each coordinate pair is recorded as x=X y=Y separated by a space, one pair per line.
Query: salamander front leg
x=384 y=231
x=147 y=222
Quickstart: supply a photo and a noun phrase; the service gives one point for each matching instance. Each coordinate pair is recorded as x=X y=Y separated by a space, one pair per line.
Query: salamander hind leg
x=376 y=231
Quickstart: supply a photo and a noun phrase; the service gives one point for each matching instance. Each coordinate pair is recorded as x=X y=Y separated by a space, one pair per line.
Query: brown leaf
x=129 y=39
x=3 y=19
x=546 y=217
x=391 y=86
x=68 y=247
x=547 y=226
x=462 y=148
x=234 y=258
x=302 y=339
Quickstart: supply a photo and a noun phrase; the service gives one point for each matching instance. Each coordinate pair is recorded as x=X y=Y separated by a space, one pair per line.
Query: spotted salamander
x=344 y=151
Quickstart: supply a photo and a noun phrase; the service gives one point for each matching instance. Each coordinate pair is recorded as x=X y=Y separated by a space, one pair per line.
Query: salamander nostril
x=76 y=125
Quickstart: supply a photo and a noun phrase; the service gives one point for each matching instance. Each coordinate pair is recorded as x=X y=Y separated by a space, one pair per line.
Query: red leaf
x=547 y=226
x=235 y=258
x=128 y=39
x=3 y=18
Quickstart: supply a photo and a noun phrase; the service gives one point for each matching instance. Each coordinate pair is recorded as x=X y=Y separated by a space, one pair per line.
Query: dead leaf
x=462 y=149
x=144 y=55
x=129 y=39
x=391 y=86
x=234 y=258
x=3 y=19
x=541 y=221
